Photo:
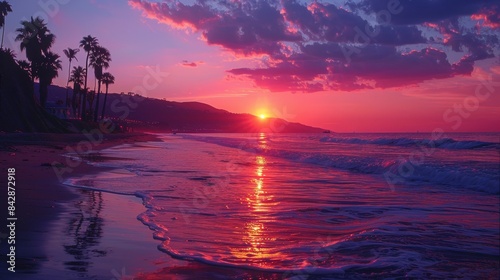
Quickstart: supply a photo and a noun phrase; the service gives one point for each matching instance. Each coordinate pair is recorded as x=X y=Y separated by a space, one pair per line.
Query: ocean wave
x=87 y=184
x=380 y=252
x=401 y=171
x=444 y=143
x=404 y=172
x=364 y=241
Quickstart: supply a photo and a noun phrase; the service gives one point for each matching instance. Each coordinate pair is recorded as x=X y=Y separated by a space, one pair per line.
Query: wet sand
x=69 y=233
x=44 y=207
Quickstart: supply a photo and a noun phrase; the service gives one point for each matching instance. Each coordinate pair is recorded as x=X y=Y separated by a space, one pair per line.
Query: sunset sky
x=360 y=65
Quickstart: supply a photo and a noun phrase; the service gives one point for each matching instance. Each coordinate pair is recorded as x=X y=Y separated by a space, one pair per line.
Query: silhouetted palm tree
x=70 y=54
x=88 y=44
x=77 y=77
x=48 y=70
x=5 y=8
x=107 y=79
x=9 y=52
x=90 y=98
x=36 y=40
x=25 y=65
x=99 y=59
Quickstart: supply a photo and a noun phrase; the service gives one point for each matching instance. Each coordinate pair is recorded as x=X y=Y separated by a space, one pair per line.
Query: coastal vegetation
x=42 y=65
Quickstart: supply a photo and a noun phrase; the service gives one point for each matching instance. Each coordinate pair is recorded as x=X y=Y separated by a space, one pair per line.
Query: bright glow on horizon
x=262 y=116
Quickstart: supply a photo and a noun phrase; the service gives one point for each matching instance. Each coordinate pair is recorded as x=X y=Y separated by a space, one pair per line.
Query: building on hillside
x=57 y=109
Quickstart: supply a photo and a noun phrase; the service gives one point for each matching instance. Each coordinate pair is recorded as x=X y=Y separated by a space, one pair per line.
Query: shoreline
x=84 y=233
x=77 y=233
x=41 y=198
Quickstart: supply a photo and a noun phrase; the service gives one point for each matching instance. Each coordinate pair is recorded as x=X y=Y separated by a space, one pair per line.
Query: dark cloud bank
x=316 y=46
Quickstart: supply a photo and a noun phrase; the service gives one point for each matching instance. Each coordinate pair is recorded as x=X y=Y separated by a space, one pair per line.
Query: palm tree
x=88 y=44
x=90 y=100
x=9 y=52
x=70 y=54
x=48 y=70
x=77 y=77
x=99 y=59
x=36 y=39
x=5 y=8
x=107 y=79
x=25 y=65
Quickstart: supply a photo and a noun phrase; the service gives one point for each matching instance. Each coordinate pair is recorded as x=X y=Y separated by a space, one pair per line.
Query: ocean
x=317 y=206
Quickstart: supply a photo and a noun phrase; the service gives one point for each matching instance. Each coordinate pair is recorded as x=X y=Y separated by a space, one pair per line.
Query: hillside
x=160 y=115
x=19 y=111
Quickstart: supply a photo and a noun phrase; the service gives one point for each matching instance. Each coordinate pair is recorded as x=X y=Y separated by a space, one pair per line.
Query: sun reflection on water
x=258 y=240
x=262 y=142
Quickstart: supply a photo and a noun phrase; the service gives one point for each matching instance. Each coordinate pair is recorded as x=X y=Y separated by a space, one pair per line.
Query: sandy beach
x=69 y=233
x=43 y=204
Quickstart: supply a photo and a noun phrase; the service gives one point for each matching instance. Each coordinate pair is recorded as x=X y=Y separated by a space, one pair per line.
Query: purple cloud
x=489 y=15
x=374 y=67
x=321 y=46
x=248 y=27
x=421 y=11
x=190 y=63
x=333 y=24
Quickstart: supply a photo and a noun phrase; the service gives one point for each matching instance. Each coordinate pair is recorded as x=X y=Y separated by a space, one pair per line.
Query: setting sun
x=262 y=116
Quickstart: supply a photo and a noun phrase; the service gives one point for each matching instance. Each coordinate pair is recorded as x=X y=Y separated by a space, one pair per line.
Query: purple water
x=321 y=206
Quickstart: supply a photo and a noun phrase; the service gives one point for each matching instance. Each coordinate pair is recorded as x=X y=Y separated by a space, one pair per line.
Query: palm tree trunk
x=84 y=103
x=43 y=92
x=96 y=113
x=80 y=98
x=1 y=93
x=104 y=105
x=67 y=83
x=3 y=33
x=73 y=102
x=33 y=79
x=90 y=100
